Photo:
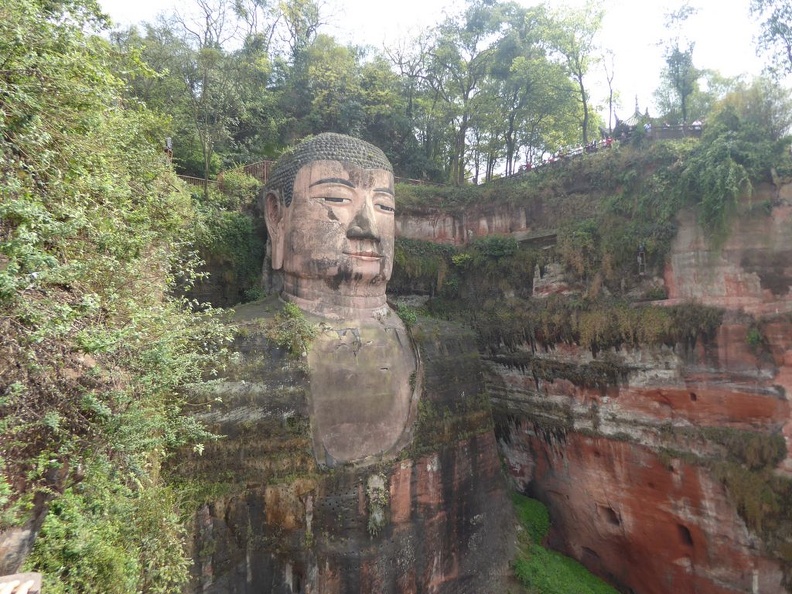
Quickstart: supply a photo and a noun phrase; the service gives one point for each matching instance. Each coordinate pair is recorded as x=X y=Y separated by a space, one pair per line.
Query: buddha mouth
x=364 y=254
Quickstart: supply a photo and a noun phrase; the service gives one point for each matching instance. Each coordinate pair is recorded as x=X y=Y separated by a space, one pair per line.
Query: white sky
x=722 y=31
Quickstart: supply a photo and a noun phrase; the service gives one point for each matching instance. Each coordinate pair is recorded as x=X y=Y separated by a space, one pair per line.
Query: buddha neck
x=347 y=302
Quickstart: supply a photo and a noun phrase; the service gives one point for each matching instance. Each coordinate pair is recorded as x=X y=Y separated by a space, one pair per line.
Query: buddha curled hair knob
x=323 y=147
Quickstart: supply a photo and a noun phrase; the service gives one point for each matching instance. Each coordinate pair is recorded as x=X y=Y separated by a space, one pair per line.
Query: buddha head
x=330 y=217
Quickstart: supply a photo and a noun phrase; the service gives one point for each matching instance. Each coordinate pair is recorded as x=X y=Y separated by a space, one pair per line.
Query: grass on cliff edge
x=541 y=570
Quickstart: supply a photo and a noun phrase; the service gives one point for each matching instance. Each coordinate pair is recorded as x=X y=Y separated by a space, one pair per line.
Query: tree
x=575 y=40
x=421 y=150
x=301 y=20
x=610 y=72
x=745 y=138
x=531 y=90
x=711 y=87
x=775 y=38
x=680 y=73
x=93 y=224
x=459 y=63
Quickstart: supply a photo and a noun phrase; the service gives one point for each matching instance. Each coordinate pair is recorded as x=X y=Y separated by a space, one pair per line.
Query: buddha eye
x=334 y=199
x=385 y=208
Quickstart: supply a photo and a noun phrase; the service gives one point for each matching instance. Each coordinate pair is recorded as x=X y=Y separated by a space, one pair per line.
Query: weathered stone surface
x=362 y=400
x=752 y=270
x=630 y=471
x=536 y=220
x=621 y=468
x=649 y=524
x=436 y=520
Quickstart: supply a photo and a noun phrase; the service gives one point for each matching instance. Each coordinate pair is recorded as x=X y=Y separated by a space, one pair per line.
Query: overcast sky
x=722 y=30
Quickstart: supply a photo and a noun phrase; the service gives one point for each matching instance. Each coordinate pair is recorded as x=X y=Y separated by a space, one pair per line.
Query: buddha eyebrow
x=333 y=180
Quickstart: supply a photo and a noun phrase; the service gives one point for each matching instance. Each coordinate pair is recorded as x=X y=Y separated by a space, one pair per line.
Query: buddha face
x=339 y=227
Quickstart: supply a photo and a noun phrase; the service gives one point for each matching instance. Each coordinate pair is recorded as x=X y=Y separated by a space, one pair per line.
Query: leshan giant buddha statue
x=436 y=519
x=329 y=210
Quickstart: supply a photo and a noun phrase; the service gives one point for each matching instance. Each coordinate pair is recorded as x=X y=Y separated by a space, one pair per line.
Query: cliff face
x=494 y=218
x=436 y=519
x=751 y=271
x=675 y=477
x=646 y=523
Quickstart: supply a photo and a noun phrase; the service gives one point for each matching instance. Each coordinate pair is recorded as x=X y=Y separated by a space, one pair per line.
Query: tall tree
x=459 y=63
x=301 y=20
x=680 y=73
x=575 y=41
x=775 y=38
x=421 y=154
x=610 y=72
x=531 y=89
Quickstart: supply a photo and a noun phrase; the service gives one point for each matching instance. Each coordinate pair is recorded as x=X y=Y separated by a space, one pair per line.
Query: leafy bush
x=407 y=315
x=744 y=140
x=94 y=230
x=230 y=238
x=238 y=188
x=290 y=330
x=420 y=266
x=496 y=246
x=88 y=539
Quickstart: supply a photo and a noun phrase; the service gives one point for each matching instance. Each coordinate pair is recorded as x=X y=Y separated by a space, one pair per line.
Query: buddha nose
x=364 y=226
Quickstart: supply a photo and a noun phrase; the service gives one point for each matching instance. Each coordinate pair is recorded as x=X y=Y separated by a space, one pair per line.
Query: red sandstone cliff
x=655 y=482
x=437 y=519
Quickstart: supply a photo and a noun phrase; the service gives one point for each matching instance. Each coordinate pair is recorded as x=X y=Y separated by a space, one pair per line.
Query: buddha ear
x=274 y=212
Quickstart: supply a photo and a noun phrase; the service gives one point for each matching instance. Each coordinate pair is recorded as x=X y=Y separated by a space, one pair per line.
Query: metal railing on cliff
x=261 y=171
x=650 y=134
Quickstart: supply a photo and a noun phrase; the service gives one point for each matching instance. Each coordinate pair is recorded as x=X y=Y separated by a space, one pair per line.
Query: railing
x=674 y=132
x=260 y=170
x=415 y=182
x=196 y=181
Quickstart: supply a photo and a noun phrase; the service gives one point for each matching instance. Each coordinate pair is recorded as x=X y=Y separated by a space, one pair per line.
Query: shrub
x=239 y=188
x=291 y=331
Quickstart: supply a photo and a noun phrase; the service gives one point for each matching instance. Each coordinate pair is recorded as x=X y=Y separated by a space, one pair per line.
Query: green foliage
x=754 y=337
x=486 y=268
x=761 y=499
x=419 y=266
x=743 y=141
x=546 y=572
x=231 y=238
x=227 y=236
x=495 y=246
x=756 y=451
x=88 y=541
x=239 y=188
x=543 y=571
x=290 y=330
x=533 y=516
x=407 y=315
x=680 y=74
x=775 y=37
x=601 y=373
x=94 y=233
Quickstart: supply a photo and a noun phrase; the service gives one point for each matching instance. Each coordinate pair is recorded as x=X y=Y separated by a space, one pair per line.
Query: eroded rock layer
x=435 y=519
x=671 y=474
